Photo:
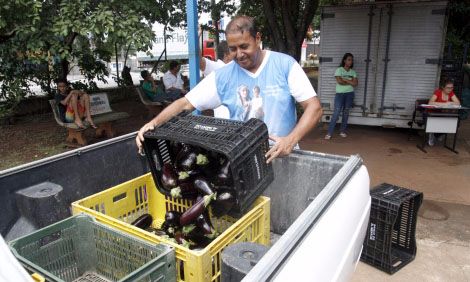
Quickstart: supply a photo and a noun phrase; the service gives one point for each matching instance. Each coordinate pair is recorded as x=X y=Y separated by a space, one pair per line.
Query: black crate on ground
x=244 y=144
x=390 y=241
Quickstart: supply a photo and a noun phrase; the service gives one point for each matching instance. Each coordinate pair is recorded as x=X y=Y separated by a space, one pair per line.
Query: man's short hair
x=241 y=24
x=144 y=74
x=61 y=80
x=222 y=49
x=173 y=64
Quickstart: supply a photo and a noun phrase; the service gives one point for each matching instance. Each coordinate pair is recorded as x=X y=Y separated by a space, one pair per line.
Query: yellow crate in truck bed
x=120 y=205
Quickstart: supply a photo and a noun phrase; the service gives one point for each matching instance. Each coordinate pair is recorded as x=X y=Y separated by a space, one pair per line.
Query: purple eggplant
x=172 y=218
x=184 y=190
x=175 y=148
x=169 y=178
x=143 y=222
x=203 y=186
x=203 y=222
x=224 y=175
x=197 y=235
x=196 y=210
x=223 y=204
x=186 y=158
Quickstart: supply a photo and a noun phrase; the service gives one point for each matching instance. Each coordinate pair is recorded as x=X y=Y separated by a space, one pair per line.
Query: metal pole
x=191 y=17
x=387 y=59
x=164 y=42
x=366 y=79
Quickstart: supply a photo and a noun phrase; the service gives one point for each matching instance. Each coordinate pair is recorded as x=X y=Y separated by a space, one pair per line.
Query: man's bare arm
x=310 y=118
x=172 y=110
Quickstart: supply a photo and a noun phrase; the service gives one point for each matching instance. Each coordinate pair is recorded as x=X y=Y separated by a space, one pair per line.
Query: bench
x=102 y=115
x=153 y=107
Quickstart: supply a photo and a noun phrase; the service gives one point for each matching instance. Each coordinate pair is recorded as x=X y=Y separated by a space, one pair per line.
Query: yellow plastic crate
x=122 y=204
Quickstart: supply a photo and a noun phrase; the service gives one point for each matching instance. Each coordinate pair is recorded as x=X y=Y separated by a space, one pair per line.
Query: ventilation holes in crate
x=164 y=153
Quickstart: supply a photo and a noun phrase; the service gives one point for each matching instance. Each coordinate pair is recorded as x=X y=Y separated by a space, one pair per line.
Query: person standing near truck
x=346 y=80
x=281 y=80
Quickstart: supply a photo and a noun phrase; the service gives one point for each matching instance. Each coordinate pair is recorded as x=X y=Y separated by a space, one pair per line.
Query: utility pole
x=215 y=14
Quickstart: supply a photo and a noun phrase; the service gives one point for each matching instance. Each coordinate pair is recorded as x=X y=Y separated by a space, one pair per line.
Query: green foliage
x=283 y=24
x=458 y=27
x=42 y=40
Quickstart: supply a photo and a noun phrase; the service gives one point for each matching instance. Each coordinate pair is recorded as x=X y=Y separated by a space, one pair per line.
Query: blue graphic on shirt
x=266 y=96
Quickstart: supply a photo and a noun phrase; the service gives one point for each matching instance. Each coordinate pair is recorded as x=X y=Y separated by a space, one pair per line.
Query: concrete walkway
x=443 y=229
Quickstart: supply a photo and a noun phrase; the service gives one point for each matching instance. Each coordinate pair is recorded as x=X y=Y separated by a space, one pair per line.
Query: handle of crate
x=148 y=269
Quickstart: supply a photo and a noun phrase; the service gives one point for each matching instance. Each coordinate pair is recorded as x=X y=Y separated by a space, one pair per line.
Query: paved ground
x=443 y=231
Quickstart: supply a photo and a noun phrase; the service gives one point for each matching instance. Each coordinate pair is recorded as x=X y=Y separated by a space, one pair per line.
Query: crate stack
x=390 y=242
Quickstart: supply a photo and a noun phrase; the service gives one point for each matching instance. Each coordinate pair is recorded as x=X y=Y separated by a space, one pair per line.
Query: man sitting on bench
x=73 y=105
x=153 y=92
x=174 y=84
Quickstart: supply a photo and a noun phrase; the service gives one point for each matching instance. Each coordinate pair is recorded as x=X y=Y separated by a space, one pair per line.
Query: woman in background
x=346 y=80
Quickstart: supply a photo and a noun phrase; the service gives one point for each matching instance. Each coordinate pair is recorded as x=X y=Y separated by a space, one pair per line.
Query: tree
x=43 y=40
x=458 y=27
x=283 y=23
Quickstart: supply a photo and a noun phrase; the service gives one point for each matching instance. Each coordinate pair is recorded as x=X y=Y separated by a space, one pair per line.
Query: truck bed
x=319 y=204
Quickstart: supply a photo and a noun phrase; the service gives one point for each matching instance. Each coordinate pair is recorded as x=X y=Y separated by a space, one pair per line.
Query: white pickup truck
x=320 y=204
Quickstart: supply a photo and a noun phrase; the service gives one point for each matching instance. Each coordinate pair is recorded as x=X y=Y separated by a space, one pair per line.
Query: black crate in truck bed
x=244 y=144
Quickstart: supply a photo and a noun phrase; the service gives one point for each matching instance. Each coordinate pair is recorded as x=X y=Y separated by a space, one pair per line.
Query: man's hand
x=282 y=147
x=140 y=135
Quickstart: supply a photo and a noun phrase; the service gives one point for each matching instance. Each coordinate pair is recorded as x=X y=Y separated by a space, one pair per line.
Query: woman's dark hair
x=344 y=59
x=446 y=81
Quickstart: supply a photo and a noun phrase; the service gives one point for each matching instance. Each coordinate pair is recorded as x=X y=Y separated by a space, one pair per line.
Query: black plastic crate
x=244 y=144
x=390 y=242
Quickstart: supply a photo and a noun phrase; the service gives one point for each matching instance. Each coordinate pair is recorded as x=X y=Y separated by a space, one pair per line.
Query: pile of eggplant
x=197 y=172
x=198 y=175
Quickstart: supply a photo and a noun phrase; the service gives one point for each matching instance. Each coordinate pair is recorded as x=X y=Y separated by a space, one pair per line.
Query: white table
x=441 y=120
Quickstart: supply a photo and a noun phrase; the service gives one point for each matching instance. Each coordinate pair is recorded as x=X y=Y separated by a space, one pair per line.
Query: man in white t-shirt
x=278 y=77
x=208 y=66
x=172 y=80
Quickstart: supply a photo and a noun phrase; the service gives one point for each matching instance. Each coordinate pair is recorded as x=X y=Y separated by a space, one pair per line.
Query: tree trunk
x=117 y=59
x=64 y=63
x=288 y=22
x=64 y=70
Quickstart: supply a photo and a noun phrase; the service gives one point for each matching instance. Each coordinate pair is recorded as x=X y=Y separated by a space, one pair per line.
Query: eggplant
x=203 y=223
x=172 y=218
x=143 y=222
x=196 y=235
x=224 y=175
x=203 y=186
x=197 y=209
x=185 y=191
x=186 y=158
x=175 y=148
x=223 y=204
x=169 y=178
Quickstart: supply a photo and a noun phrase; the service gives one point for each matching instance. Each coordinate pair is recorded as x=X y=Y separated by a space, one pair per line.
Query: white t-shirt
x=212 y=66
x=280 y=80
x=169 y=80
